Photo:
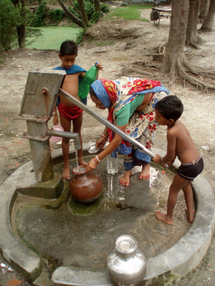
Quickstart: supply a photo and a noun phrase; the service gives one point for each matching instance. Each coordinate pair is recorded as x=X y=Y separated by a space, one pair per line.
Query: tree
x=209 y=20
x=82 y=12
x=175 y=62
x=9 y=19
x=20 y=4
x=75 y=19
x=174 y=56
x=83 y=22
x=97 y=7
x=204 y=6
x=192 y=37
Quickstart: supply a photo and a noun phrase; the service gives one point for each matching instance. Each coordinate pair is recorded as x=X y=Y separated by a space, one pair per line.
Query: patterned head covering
x=105 y=90
x=116 y=94
x=123 y=89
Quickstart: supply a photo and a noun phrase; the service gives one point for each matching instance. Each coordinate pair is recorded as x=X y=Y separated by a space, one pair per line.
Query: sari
x=142 y=126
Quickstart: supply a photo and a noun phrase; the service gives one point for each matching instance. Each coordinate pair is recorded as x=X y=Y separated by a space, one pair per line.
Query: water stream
x=81 y=235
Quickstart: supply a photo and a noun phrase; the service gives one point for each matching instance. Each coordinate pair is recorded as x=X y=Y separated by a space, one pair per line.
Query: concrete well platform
x=176 y=261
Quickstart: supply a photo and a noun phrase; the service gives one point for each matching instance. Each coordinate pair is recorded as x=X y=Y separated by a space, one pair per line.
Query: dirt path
x=130 y=54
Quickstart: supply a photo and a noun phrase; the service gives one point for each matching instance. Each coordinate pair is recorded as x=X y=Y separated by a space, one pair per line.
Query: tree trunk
x=192 y=37
x=75 y=19
x=97 y=7
x=204 y=10
x=21 y=28
x=175 y=62
x=177 y=35
x=209 y=21
x=83 y=12
x=21 y=35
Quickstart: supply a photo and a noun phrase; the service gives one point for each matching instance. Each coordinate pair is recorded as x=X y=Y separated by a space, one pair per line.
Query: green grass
x=131 y=12
x=50 y=37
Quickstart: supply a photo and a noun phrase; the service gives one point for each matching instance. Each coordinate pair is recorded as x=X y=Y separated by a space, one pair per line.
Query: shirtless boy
x=179 y=143
x=67 y=110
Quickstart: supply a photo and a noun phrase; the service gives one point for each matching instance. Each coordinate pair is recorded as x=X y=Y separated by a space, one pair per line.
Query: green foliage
x=40 y=15
x=88 y=6
x=56 y=15
x=104 y=9
x=95 y=17
x=9 y=19
x=92 y=16
x=80 y=36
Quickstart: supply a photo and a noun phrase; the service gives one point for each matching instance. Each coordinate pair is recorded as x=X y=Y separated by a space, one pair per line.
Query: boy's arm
x=82 y=74
x=171 y=148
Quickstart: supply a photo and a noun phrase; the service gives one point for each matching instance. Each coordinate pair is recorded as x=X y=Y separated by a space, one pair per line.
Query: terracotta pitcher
x=86 y=188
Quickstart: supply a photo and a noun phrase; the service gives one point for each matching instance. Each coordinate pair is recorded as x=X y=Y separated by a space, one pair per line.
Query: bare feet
x=145 y=174
x=125 y=180
x=163 y=217
x=81 y=162
x=190 y=216
x=66 y=173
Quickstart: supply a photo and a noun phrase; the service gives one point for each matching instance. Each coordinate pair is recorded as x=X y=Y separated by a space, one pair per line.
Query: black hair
x=68 y=48
x=170 y=107
x=92 y=92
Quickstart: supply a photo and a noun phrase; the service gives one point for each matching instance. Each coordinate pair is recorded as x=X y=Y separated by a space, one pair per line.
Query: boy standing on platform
x=179 y=143
x=67 y=110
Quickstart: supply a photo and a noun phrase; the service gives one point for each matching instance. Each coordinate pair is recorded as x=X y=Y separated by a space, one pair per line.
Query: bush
x=104 y=9
x=80 y=36
x=92 y=16
x=9 y=16
x=40 y=15
x=56 y=15
x=95 y=17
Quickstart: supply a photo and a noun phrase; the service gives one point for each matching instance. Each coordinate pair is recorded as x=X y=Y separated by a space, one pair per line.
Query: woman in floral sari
x=130 y=102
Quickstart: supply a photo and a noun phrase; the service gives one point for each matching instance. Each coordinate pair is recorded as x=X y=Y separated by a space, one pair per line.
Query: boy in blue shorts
x=179 y=143
x=67 y=110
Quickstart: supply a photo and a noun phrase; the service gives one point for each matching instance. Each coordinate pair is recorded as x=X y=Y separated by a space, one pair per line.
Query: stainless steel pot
x=126 y=265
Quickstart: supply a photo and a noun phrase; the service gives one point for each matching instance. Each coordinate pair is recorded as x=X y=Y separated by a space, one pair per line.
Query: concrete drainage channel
x=177 y=261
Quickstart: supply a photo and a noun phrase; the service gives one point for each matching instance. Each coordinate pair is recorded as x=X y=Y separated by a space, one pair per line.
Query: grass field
x=131 y=12
x=49 y=37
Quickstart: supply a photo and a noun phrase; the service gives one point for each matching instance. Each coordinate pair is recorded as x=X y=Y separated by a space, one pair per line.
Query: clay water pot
x=86 y=188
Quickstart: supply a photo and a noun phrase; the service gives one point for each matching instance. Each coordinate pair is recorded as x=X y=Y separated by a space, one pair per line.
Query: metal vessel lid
x=92 y=149
x=126 y=244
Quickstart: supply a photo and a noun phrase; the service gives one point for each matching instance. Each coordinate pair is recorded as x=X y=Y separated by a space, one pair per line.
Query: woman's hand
x=91 y=166
x=100 y=143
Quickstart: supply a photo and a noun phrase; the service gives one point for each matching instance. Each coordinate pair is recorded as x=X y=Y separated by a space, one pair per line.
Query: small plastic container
x=56 y=139
x=112 y=163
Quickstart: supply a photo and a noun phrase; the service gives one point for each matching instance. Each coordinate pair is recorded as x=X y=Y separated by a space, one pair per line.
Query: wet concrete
x=126 y=208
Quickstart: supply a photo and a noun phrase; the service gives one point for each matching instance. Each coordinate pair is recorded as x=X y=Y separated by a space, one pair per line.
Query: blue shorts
x=191 y=170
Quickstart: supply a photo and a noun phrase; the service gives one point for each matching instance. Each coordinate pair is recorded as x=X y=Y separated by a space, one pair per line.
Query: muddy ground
x=130 y=53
